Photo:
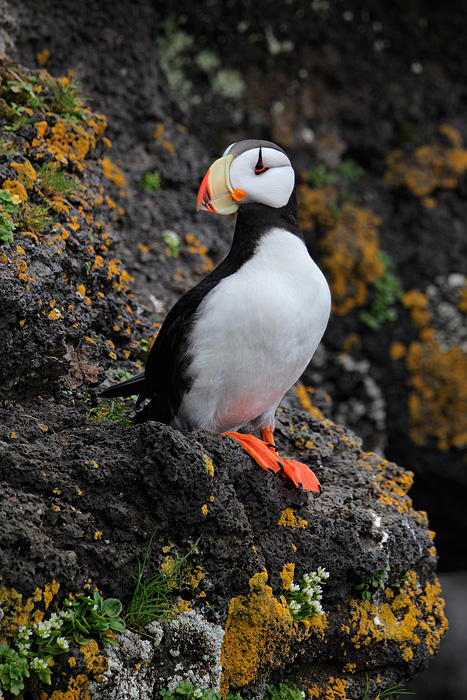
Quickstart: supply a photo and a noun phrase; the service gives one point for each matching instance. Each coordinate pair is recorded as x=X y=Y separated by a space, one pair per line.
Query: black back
x=167 y=376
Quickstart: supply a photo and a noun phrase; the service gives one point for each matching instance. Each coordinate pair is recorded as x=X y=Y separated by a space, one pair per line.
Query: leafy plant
x=191 y=691
x=350 y=170
x=372 y=582
x=319 y=176
x=381 y=694
x=117 y=411
x=9 y=205
x=13 y=670
x=152 y=597
x=401 y=582
x=304 y=598
x=92 y=618
x=151 y=182
x=284 y=691
x=34 y=646
x=63 y=96
x=387 y=291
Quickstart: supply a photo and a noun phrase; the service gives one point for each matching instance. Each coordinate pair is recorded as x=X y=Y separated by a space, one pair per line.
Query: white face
x=271 y=183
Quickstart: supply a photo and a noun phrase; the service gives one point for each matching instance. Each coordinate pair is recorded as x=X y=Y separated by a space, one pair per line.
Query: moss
x=257 y=635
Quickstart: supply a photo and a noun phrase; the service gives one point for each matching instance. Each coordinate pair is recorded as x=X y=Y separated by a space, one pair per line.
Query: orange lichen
x=112 y=172
x=428 y=167
x=257 y=635
x=303 y=392
x=351 y=257
x=196 y=247
x=417 y=303
x=16 y=189
x=438 y=397
x=397 y=350
x=415 y=616
x=26 y=173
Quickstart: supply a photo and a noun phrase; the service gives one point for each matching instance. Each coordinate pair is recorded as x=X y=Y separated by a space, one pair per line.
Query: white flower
x=55 y=621
x=197 y=693
x=294 y=587
x=63 y=643
x=38 y=664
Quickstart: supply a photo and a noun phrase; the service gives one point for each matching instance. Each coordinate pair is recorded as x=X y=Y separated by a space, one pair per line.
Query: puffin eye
x=260 y=167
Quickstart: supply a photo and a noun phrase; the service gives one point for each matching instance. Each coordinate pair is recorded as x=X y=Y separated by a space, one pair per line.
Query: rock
x=103 y=489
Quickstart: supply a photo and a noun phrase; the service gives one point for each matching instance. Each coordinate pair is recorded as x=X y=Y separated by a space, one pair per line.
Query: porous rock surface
x=79 y=508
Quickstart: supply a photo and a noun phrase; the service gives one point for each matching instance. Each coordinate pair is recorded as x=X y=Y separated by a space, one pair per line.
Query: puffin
x=233 y=345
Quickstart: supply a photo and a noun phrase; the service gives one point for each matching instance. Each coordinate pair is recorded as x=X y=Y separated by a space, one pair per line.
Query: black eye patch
x=260 y=167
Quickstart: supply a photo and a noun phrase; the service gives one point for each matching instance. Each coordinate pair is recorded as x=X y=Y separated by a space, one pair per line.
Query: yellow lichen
x=417 y=303
x=428 y=167
x=351 y=257
x=209 y=464
x=303 y=392
x=289 y=519
x=287 y=575
x=438 y=396
x=16 y=189
x=257 y=635
x=414 y=616
x=26 y=173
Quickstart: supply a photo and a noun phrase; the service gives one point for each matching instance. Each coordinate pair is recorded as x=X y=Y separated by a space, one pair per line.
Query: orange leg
x=264 y=452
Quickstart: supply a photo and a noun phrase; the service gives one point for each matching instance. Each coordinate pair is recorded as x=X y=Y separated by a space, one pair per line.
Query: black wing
x=166 y=376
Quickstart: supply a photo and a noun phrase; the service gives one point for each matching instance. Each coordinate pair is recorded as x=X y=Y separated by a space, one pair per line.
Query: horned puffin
x=231 y=347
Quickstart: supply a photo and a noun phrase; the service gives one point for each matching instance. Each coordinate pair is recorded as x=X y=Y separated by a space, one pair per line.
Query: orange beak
x=216 y=193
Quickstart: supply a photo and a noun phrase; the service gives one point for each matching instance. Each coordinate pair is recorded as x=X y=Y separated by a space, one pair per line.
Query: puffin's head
x=249 y=171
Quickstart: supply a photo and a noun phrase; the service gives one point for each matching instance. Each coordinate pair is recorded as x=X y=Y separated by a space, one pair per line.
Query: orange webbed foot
x=264 y=452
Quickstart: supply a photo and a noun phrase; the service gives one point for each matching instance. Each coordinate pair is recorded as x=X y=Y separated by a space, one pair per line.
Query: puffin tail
x=134 y=385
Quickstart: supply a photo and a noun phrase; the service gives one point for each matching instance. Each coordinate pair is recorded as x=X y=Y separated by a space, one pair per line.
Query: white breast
x=254 y=335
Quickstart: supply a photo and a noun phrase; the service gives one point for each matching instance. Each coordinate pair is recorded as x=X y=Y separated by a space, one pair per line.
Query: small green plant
x=387 y=291
x=53 y=181
x=394 y=690
x=9 y=205
x=34 y=646
x=14 y=669
x=401 y=584
x=191 y=691
x=152 y=597
x=173 y=242
x=35 y=216
x=319 y=176
x=92 y=618
x=63 y=96
x=304 y=598
x=372 y=582
x=118 y=411
x=350 y=170
x=151 y=182
x=284 y=691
